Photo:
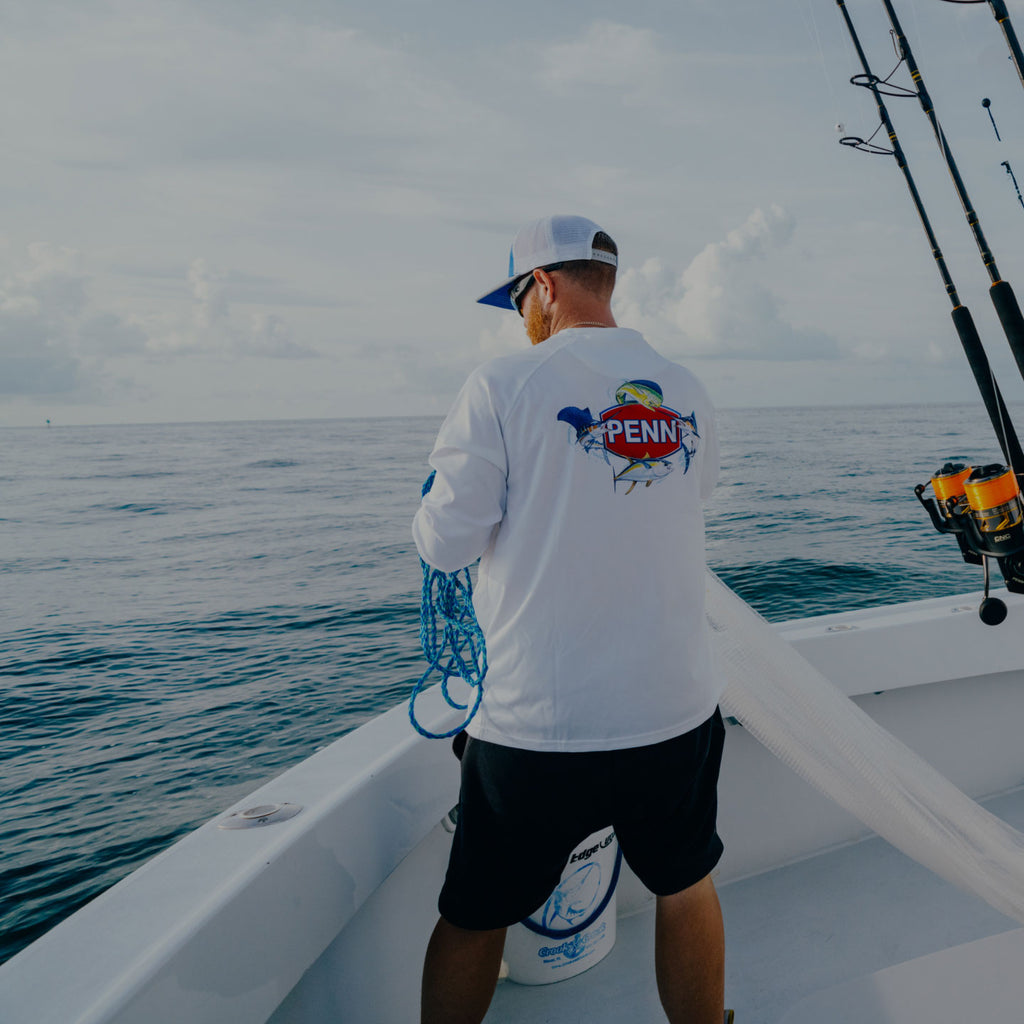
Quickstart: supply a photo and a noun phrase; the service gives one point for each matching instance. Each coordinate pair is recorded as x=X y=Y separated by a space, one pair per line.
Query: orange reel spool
x=994 y=497
x=949 y=485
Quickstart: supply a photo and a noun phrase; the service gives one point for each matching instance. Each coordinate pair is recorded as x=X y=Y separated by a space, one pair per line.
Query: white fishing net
x=802 y=718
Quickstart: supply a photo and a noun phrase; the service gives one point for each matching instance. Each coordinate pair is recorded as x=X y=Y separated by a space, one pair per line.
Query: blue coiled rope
x=451 y=638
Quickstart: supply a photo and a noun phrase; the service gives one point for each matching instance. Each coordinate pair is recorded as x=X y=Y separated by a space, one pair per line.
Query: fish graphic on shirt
x=645 y=471
x=649 y=439
x=589 y=432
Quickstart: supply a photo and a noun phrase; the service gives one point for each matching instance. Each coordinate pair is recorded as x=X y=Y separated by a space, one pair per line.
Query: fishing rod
x=952 y=512
x=1002 y=15
x=961 y=315
x=1013 y=178
x=1000 y=292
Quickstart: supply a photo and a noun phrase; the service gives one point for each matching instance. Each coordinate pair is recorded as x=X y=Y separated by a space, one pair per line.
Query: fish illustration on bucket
x=575 y=928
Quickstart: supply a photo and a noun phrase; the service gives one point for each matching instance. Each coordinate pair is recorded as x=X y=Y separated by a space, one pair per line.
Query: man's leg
x=459 y=974
x=689 y=955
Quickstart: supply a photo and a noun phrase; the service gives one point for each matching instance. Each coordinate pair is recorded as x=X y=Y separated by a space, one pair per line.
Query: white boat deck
x=325 y=916
x=792 y=932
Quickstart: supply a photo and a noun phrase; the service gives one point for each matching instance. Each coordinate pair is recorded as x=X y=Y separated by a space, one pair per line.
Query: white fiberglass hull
x=325 y=916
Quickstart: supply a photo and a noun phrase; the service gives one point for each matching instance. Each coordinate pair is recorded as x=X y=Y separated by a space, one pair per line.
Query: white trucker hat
x=549 y=240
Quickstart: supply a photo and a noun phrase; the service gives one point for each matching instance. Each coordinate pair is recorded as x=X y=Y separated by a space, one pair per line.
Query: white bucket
x=575 y=928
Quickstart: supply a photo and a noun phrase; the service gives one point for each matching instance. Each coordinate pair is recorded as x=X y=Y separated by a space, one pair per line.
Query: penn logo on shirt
x=642 y=433
x=639 y=429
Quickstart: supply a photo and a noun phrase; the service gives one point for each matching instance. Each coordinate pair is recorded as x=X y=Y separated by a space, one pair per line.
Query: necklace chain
x=587 y=323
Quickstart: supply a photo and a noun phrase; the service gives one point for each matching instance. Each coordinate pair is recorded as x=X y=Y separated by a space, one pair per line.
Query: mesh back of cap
x=551 y=240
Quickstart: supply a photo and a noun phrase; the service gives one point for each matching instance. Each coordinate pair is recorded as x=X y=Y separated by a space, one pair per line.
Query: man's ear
x=547 y=283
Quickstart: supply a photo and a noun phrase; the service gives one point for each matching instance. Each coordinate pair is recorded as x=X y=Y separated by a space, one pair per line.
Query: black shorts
x=522 y=812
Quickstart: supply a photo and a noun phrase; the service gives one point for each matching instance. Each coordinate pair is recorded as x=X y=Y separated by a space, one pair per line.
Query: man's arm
x=454 y=524
x=457 y=519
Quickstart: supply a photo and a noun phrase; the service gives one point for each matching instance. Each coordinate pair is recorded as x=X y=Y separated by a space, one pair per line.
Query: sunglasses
x=518 y=291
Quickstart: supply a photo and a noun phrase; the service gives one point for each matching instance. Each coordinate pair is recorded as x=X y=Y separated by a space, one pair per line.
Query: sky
x=238 y=210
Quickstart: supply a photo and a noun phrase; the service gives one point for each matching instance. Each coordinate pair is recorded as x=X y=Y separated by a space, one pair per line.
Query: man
x=577 y=470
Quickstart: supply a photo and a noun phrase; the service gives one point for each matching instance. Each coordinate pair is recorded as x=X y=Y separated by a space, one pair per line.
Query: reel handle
x=940 y=524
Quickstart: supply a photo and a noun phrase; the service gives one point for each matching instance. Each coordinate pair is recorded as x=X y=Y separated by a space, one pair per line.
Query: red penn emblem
x=635 y=431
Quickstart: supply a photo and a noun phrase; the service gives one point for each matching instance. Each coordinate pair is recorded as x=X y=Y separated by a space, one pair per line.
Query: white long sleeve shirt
x=576 y=471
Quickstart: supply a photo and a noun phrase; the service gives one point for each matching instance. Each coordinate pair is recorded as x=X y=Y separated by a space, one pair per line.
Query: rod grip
x=997 y=412
x=1011 y=318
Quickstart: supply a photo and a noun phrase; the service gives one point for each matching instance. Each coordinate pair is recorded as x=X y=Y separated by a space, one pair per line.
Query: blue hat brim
x=501 y=296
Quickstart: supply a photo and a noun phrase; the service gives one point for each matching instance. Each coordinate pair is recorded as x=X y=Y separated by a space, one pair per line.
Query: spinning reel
x=981 y=506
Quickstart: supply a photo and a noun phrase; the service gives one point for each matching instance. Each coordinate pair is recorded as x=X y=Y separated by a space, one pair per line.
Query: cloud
x=508 y=336
x=717 y=307
x=107 y=334
x=272 y=95
x=52 y=283
x=210 y=327
x=607 y=55
x=56 y=339
x=52 y=339
x=244 y=287
x=25 y=370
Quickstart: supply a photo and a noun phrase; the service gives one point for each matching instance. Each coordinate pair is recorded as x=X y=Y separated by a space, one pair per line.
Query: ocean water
x=188 y=610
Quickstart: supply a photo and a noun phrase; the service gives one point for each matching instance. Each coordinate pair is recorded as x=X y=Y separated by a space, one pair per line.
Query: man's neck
x=597 y=316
